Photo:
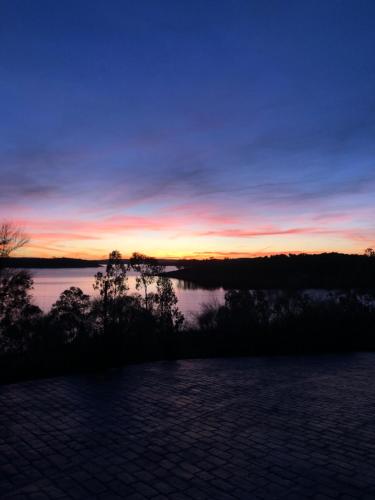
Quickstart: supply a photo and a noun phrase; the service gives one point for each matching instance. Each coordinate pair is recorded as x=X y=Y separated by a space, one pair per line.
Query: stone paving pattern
x=247 y=428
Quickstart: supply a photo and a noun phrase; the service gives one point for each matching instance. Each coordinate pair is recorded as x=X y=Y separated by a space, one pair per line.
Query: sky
x=189 y=128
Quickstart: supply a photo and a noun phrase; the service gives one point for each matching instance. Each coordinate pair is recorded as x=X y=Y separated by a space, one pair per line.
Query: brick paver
x=261 y=428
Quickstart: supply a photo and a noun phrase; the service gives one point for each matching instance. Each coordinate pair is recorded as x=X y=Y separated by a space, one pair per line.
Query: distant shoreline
x=49 y=263
x=63 y=263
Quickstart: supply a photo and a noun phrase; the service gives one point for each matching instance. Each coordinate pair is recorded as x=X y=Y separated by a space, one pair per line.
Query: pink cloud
x=206 y=219
x=354 y=234
x=239 y=233
x=62 y=235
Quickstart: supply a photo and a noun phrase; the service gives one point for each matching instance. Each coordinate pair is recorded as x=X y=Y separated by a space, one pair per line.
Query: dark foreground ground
x=226 y=428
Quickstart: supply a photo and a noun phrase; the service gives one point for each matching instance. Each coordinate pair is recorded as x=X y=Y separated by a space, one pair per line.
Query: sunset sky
x=188 y=128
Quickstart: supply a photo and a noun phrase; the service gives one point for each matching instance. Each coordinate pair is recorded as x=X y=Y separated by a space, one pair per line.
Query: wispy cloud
x=170 y=138
x=239 y=233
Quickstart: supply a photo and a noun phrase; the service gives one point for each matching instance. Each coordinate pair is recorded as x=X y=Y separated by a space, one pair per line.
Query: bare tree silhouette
x=11 y=239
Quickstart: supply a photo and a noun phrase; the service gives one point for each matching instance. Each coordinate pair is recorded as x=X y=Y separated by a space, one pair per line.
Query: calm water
x=49 y=283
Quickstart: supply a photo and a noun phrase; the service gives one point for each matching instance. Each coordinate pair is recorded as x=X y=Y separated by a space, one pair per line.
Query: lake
x=49 y=283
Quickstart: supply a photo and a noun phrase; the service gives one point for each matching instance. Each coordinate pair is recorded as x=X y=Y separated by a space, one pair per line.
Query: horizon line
x=201 y=256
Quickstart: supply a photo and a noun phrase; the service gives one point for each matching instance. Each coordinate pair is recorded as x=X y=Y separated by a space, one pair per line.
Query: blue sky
x=188 y=128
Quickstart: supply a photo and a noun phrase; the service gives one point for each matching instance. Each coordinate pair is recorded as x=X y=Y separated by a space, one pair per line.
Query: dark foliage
x=116 y=328
x=79 y=333
x=18 y=316
x=327 y=270
x=258 y=322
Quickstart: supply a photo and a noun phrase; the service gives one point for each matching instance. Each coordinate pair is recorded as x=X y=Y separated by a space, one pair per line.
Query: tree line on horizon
x=179 y=263
x=293 y=271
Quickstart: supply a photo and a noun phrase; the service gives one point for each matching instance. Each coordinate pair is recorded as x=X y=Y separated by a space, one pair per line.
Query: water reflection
x=189 y=285
x=50 y=283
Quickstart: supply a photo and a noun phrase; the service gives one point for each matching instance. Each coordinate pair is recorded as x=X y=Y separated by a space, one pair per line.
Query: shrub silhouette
x=70 y=314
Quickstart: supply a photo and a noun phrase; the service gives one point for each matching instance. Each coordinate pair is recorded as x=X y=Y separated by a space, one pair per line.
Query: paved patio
x=246 y=428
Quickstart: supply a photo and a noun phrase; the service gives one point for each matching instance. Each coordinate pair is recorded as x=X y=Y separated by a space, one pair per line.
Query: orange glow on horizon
x=187 y=232
x=35 y=251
